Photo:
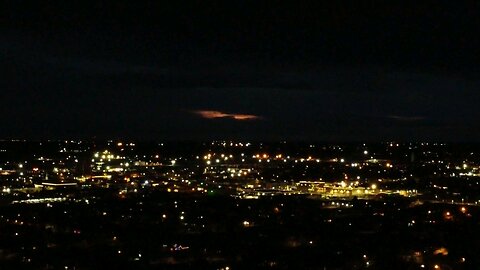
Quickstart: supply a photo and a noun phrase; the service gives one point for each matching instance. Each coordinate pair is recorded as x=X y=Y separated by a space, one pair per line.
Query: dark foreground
x=177 y=231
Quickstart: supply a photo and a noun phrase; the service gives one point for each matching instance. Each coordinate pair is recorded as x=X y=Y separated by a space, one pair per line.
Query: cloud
x=218 y=114
x=406 y=118
x=102 y=67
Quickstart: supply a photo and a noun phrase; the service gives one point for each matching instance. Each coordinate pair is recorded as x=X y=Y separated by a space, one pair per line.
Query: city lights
x=217 y=185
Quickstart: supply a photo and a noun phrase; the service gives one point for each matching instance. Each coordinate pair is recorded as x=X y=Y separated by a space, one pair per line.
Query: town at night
x=240 y=134
x=230 y=204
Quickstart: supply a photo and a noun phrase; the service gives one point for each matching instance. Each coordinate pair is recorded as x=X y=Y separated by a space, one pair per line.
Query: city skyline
x=83 y=204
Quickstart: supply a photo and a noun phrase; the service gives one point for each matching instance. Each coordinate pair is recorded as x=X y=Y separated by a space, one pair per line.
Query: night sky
x=249 y=70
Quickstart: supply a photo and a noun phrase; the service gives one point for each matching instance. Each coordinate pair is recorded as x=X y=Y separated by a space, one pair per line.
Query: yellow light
x=374 y=186
x=441 y=251
x=436 y=266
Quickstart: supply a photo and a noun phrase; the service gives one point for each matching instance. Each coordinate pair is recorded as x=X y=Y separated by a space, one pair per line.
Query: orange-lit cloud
x=218 y=114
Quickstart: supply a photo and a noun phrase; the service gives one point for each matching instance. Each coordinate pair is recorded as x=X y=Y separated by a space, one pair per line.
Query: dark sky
x=302 y=70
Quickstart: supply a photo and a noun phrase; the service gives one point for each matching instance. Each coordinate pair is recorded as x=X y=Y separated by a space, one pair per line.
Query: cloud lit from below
x=218 y=114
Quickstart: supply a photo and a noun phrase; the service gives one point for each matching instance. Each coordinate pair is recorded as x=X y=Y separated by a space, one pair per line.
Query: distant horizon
x=133 y=140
